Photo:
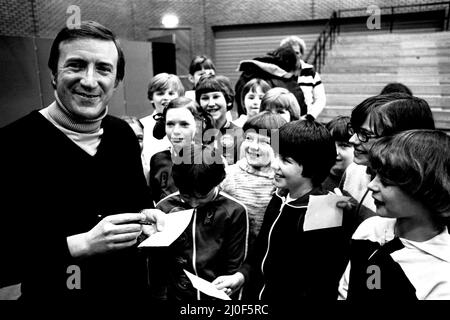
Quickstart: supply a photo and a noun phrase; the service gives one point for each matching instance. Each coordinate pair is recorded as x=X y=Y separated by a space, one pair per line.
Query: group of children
x=249 y=181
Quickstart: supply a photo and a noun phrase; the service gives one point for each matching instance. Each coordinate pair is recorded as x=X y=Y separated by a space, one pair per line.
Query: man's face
x=85 y=79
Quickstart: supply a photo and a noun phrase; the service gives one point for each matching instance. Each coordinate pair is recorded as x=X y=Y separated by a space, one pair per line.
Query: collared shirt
x=426 y=264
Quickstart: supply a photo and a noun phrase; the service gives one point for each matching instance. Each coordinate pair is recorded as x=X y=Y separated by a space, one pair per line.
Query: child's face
x=391 y=201
x=361 y=149
x=344 y=156
x=199 y=73
x=288 y=173
x=161 y=98
x=180 y=127
x=215 y=104
x=284 y=113
x=252 y=101
x=198 y=200
x=257 y=150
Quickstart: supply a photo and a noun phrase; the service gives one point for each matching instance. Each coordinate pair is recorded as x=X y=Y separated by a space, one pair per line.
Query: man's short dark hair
x=86 y=30
x=309 y=144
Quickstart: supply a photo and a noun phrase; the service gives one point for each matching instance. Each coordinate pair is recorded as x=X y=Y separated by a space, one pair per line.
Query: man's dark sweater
x=52 y=189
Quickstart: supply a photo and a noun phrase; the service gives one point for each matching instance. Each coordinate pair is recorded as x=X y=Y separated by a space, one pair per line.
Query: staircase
x=359 y=66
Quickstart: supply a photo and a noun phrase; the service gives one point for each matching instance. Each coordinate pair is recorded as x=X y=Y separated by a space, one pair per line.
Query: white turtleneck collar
x=86 y=133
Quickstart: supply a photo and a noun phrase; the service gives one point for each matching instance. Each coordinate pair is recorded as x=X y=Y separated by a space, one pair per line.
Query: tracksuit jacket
x=213 y=244
x=290 y=264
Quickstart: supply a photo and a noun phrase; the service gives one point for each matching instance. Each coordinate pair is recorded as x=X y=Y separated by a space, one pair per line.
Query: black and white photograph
x=225 y=158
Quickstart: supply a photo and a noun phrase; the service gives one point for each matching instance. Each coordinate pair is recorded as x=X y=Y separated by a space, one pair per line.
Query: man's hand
x=113 y=232
x=154 y=220
x=230 y=284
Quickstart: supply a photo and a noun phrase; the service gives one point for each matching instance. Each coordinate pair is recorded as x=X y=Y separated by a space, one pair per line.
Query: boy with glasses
x=373 y=118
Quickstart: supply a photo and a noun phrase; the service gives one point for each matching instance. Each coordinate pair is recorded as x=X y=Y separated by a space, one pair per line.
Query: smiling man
x=71 y=212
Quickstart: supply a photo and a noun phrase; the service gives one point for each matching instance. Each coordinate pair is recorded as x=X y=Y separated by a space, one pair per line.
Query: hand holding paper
x=174 y=225
x=323 y=213
x=206 y=287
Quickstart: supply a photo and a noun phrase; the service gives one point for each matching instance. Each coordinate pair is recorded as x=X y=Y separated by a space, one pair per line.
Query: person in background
x=82 y=207
x=376 y=117
x=252 y=94
x=215 y=96
x=308 y=79
x=281 y=101
x=408 y=241
x=162 y=89
x=338 y=128
x=200 y=65
x=183 y=123
x=250 y=180
x=396 y=87
x=278 y=69
x=215 y=241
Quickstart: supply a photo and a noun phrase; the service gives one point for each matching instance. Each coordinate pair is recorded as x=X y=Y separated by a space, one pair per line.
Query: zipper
x=194 y=249
x=268 y=244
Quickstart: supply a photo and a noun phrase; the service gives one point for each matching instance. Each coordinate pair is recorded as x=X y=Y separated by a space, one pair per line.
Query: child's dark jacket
x=219 y=233
x=290 y=264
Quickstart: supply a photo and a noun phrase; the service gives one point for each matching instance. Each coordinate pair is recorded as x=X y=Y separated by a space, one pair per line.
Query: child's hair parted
x=164 y=81
x=412 y=108
x=309 y=144
x=212 y=83
x=418 y=162
x=201 y=62
x=265 y=123
x=278 y=99
x=199 y=172
x=404 y=113
x=251 y=86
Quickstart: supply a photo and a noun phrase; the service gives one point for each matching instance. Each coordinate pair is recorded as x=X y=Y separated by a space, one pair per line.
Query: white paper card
x=206 y=287
x=323 y=213
x=174 y=225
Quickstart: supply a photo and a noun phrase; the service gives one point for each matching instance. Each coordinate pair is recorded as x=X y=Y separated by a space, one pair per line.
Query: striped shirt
x=252 y=187
x=313 y=89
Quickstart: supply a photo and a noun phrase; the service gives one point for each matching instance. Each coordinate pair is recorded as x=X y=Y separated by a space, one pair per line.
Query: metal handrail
x=332 y=27
x=328 y=35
